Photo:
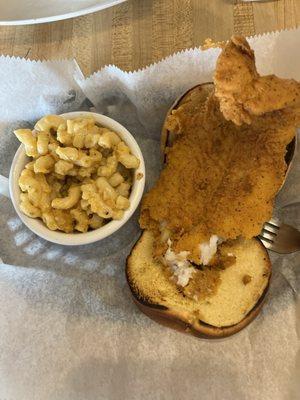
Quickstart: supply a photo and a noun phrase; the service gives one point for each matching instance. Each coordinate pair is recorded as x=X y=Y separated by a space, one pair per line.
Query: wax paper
x=68 y=327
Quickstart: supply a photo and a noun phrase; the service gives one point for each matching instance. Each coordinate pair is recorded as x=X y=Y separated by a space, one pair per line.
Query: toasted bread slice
x=237 y=302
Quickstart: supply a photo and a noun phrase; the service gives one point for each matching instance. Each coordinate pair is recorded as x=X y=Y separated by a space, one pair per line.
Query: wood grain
x=139 y=32
x=243 y=18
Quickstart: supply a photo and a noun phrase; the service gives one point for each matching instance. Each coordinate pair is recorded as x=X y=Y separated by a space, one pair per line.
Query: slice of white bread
x=234 y=306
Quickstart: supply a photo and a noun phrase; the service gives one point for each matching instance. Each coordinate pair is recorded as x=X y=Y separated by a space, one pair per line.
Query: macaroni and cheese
x=80 y=174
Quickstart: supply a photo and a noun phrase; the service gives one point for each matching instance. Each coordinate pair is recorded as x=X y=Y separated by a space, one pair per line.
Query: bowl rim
x=75 y=239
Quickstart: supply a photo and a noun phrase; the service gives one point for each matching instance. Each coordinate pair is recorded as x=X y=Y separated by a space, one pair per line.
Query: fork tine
x=271 y=228
x=268 y=244
x=268 y=235
x=274 y=221
x=279 y=237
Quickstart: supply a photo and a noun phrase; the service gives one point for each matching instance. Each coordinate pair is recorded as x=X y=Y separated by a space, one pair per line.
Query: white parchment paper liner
x=68 y=327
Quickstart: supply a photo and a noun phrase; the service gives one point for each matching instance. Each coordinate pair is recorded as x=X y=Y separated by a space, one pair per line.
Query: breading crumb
x=247 y=279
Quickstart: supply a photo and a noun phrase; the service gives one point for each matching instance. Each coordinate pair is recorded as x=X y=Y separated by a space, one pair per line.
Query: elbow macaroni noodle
x=80 y=175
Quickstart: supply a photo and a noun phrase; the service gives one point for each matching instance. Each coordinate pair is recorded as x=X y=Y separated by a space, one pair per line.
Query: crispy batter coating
x=219 y=178
x=242 y=92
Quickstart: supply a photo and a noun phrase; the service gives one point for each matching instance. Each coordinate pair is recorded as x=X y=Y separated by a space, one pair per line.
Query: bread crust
x=179 y=321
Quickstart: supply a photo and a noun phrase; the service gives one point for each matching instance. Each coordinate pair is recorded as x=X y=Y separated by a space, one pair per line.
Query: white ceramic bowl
x=23 y=12
x=73 y=239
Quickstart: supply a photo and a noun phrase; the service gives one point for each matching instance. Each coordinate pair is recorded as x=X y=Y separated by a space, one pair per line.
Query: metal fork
x=280 y=237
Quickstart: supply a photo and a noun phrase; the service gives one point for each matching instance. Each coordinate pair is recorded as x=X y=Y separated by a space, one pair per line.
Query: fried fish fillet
x=219 y=178
x=243 y=93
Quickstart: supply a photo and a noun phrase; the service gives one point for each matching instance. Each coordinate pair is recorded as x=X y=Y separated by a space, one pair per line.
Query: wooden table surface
x=139 y=32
